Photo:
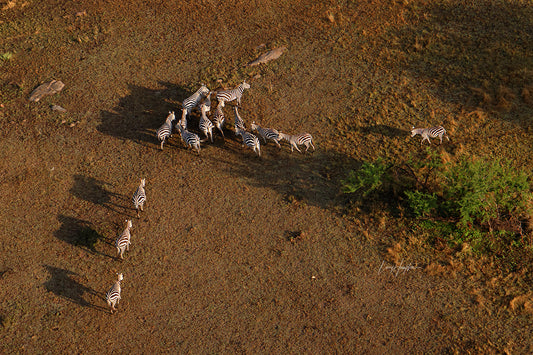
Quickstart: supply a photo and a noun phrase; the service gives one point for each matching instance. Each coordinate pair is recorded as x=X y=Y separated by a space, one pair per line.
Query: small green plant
x=6 y=56
x=369 y=178
x=422 y=204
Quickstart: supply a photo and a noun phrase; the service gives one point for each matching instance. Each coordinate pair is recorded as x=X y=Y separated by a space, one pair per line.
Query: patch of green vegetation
x=6 y=56
x=470 y=200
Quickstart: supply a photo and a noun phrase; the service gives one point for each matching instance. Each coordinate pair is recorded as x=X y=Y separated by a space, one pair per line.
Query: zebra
x=165 y=130
x=205 y=124
x=139 y=197
x=432 y=132
x=123 y=241
x=193 y=100
x=239 y=123
x=299 y=139
x=219 y=117
x=250 y=140
x=113 y=295
x=207 y=102
x=183 y=121
x=190 y=139
x=269 y=133
x=230 y=95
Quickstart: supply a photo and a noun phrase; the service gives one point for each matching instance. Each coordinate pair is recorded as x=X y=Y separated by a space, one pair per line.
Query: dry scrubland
x=236 y=253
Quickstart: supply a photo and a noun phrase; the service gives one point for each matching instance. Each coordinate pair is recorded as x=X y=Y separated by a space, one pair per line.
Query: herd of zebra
x=202 y=99
x=192 y=140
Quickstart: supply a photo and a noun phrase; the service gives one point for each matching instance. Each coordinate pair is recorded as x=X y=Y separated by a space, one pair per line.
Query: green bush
x=369 y=178
x=477 y=191
x=422 y=204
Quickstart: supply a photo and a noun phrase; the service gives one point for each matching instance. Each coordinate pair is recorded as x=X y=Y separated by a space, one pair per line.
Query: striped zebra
x=190 y=139
x=193 y=100
x=183 y=121
x=165 y=130
x=239 y=123
x=113 y=295
x=250 y=140
x=219 y=117
x=267 y=133
x=432 y=132
x=139 y=197
x=230 y=95
x=206 y=126
x=207 y=102
x=123 y=240
x=299 y=139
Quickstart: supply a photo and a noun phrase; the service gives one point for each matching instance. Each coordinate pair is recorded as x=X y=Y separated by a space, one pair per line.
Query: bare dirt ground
x=235 y=253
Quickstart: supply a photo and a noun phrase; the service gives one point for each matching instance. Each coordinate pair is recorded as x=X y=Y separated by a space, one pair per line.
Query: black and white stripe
x=165 y=130
x=249 y=140
x=267 y=133
x=190 y=139
x=139 y=197
x=124 y=240
x=299 y=139
x=432 y=132
x=219 y=117
x=205 y=125
x=230 y=95
x=113 y=295
x=193 y=100
x=239 y=123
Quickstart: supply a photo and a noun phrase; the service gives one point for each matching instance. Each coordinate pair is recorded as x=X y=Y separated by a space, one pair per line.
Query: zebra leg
x=312 y=145
x=162 y=144
x=296 y=146
x=277 y=142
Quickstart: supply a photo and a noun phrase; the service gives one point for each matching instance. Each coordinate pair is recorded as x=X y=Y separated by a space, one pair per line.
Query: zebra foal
x=431 y=132
x=165 y=130
x=113 y=295
x=299 y=139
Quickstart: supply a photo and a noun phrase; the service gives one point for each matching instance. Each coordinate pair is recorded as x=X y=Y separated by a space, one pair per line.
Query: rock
x=268 y=56
x=58 y=108
x=49 y=88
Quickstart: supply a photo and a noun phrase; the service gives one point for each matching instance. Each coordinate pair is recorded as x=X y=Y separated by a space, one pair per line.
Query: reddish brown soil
x=234 y=253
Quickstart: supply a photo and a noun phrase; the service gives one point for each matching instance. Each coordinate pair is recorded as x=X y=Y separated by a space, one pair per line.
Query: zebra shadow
x=139 y=114
x=385 y=130
x=67 y=284
x=81 y=234
x=95 y=191
x=310 y=178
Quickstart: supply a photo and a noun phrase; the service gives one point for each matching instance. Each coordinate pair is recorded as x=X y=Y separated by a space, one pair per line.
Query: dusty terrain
x=235 y=253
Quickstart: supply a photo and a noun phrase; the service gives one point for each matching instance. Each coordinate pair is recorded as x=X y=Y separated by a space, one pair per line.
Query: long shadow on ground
x=139 y=114
x=80 y=233
x=95 y=191
x=65 y=284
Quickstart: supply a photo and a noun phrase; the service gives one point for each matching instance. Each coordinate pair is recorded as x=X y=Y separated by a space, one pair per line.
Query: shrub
x=480 y=192
x=369 y=178
x=422 y=204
